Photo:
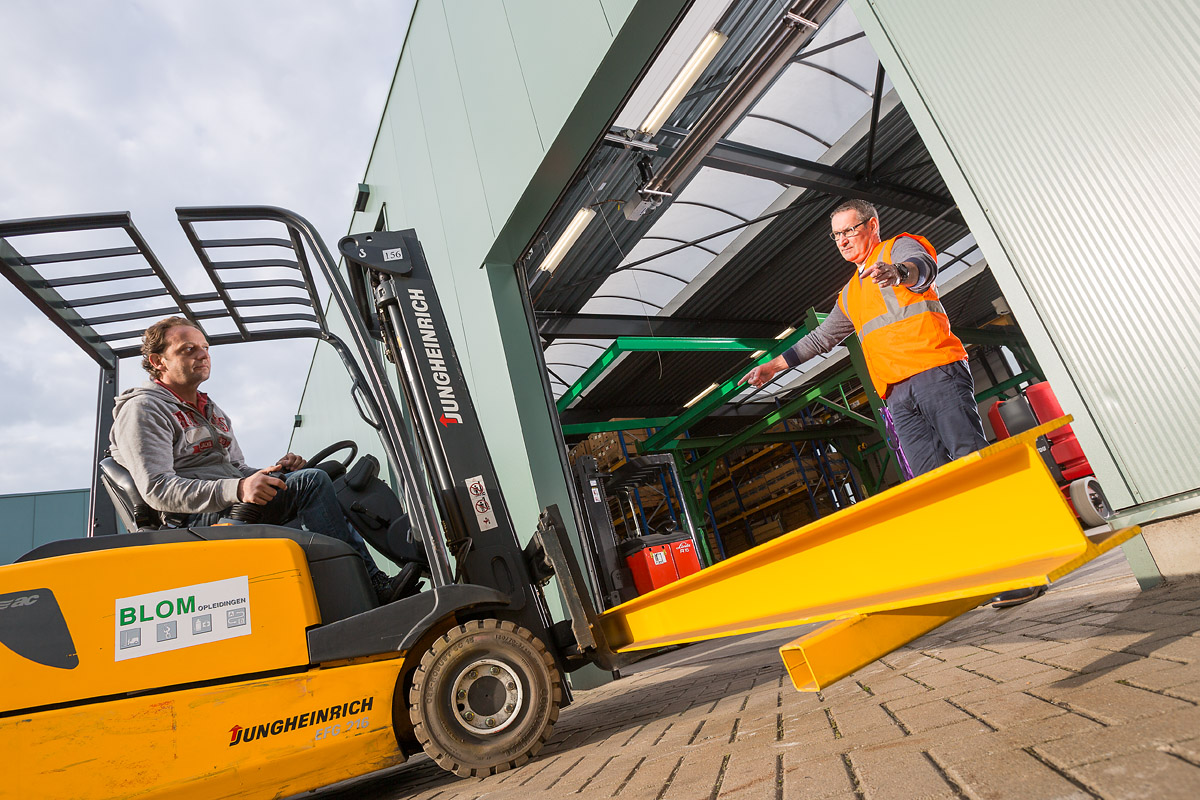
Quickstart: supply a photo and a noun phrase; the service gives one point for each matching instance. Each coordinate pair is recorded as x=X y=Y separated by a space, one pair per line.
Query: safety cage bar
x=92 y=320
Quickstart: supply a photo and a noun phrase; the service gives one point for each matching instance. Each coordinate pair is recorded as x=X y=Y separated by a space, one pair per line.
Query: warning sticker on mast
x=484 y=513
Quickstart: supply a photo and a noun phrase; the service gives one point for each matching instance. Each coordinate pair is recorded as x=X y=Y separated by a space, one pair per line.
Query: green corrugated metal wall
x=1064 y=130
x=480 y=93
x=29 y=520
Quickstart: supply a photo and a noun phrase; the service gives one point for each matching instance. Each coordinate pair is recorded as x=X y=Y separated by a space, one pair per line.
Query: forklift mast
x=397 y=302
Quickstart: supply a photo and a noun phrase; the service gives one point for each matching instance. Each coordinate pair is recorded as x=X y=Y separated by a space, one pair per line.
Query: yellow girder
x=888 y=569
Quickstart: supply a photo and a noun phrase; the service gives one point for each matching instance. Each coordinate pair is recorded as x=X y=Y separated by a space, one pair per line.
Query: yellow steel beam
x=840 y=648
x=986 y=523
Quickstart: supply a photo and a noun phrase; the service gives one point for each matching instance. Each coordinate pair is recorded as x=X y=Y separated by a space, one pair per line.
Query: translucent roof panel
x=684 y=263
x=769 y=134
x=812 y=105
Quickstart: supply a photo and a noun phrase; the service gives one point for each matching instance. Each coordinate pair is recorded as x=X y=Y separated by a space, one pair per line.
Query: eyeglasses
x=850 y=232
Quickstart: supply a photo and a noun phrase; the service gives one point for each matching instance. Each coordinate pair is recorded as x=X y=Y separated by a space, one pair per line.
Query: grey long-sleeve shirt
x=837 y=326
x=181 y=461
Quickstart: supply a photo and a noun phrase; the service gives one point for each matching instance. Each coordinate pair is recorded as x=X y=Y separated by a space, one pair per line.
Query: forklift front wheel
x=484 y=698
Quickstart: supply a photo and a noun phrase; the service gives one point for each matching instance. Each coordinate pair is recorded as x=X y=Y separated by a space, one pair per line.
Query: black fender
x=398 y=626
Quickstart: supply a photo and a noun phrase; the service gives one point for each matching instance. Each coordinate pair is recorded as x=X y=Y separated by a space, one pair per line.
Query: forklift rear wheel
x=484 y=698
x=1090 y=503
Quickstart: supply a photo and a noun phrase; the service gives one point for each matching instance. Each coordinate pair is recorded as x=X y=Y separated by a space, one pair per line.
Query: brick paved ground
x=1091 y=691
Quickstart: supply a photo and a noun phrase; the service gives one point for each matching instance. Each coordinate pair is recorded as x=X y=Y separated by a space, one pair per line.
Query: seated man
x=180 y=448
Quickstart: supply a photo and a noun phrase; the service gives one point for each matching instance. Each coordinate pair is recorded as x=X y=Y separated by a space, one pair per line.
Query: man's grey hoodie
x=181 y=461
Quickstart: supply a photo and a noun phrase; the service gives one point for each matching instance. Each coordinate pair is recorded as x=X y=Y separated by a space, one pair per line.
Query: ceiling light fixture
x=578 y=223
x=683 y=82
x=786 y=333
x=699 y=397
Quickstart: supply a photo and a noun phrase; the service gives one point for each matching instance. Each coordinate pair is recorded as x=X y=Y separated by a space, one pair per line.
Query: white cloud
x=145 y=106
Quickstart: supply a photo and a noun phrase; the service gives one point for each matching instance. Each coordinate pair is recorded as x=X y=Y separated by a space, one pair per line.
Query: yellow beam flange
x=840 y=648
x=989 y=522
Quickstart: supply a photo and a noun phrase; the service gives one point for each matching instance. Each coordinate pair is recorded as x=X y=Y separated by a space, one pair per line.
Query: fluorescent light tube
x=580 y=221
x=786 y=333
x=699 y=397
x=683 y=82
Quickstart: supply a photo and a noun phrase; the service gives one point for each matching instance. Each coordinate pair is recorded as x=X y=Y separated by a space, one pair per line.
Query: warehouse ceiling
x=717 y=224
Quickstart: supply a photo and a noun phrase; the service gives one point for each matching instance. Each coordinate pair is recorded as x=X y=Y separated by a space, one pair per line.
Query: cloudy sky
x=144 y=106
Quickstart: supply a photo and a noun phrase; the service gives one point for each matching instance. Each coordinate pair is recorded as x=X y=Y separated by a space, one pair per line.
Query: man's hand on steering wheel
x=260 y=487
x=291 y=462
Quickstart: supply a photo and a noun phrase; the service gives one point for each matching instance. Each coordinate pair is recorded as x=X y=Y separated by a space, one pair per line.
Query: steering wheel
x=325 y=453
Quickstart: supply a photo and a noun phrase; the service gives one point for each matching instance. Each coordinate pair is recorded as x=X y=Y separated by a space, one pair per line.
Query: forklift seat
x=374 y=511
x=135 y=513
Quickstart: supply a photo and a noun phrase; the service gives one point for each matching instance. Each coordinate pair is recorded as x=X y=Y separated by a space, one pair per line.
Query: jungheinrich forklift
x=250 y=660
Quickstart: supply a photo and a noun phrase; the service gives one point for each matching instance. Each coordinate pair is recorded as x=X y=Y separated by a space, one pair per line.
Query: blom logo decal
x=184 y=617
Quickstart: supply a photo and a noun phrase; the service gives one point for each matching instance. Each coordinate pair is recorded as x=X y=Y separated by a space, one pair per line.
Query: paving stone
x=1172 y=675
x=1152 y=775
x=808 y=778
x=1135 y=670
x=898 y=775
x=1083 y=659
x=1014 y=670
x=894 y=686
x=1187 y=691
x=967 y=745
x=808 y=723
x=937 y=714
x=1188 y=750
x=1180 y=648
x=1071 y=633
x=1110 y=703
x=1147 y=621
x=1013 y=644
x=750 y=776
x=1003 y=710
x=1012 y=774
x=697 y=776
x=957 y=679
x=1093 y=746
x=854 y=721
x=1174 y=606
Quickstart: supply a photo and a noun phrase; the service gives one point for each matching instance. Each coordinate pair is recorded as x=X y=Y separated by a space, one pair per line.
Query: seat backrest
x=135 y=513
x=373 y=509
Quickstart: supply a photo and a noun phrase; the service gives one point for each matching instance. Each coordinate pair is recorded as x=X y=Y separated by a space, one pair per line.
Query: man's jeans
x=309 y=501
x=936 y=417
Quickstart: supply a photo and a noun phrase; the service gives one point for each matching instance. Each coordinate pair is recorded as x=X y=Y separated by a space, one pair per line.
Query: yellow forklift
x=250 y=660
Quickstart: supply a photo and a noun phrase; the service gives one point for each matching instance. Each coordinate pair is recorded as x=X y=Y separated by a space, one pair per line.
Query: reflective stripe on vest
x=896 y=312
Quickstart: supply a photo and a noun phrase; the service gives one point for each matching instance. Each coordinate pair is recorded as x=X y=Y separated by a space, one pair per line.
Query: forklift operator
x=180 y=448
x=916 y=364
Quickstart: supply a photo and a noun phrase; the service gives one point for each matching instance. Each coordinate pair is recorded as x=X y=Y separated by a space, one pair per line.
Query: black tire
x=484 y=698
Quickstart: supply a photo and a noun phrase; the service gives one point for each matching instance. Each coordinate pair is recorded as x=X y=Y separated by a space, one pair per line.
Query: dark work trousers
x=309 y=501
x=936 y=417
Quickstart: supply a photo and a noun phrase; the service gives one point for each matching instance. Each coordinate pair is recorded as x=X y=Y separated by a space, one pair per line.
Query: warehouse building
x=670 y=174
x=624 y=201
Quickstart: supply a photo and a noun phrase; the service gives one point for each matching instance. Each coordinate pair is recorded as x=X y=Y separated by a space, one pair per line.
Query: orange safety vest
x=902 y=332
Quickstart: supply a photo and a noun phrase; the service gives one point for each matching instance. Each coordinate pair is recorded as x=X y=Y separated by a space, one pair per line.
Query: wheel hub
x=487 y=696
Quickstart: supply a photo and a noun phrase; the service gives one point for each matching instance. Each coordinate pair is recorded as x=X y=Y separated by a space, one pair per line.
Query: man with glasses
x=916 y=364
